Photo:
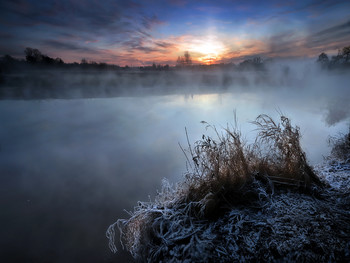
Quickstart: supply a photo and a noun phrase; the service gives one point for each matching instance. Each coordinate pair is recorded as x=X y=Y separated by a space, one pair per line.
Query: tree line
x=36 y=59
x=341 y=60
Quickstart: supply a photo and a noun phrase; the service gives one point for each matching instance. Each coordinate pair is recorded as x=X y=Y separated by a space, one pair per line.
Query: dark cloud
x=147 y=50
x=72 y=23
x=319 y=5
x=6 y=35
x=143 y=33
x=138 y=44
x=76 y=14
x=290 y=42
x=67 y=46
x=103 y=54
x=337 y=28
x=134 y=43
x=338 y=33
x=129 y=26
x=150 y=22
x=164 y=44
x=282 y=43
x=305 y=7
x=143 y=41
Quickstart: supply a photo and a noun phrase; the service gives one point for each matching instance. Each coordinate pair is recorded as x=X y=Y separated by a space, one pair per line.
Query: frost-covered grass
x=242 y=202
x=341 y=148
x=335 y=170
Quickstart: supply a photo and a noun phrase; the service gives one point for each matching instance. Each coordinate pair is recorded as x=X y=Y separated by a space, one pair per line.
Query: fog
x=301 y=78
x=77 y=148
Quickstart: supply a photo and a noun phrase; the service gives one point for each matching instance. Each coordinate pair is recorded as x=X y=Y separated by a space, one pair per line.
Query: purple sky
x=142 y=32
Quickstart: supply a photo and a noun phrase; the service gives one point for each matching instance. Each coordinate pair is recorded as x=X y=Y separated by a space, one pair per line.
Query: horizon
x=136 y=33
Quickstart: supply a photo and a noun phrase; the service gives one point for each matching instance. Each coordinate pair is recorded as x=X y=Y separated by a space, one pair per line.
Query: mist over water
x=69 y=168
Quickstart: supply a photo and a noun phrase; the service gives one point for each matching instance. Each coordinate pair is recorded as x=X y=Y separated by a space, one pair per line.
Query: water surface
x=69 y=168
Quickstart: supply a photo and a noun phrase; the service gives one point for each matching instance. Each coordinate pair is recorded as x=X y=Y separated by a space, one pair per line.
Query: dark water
x=69 y=168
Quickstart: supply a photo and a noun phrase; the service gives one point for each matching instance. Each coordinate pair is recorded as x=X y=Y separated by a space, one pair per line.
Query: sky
x=139 y=33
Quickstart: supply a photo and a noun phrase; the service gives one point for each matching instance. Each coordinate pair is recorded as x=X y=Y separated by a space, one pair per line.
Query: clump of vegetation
x=341 y=147
x=239 y=202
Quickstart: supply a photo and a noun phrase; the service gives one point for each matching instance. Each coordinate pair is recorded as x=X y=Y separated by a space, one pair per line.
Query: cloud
x=283 y=43
x=336 y=34
x=311 y=7
x=82 y=17
x=164 y=44
x=6 y=35
x=179 y=3
x=150 y=22
x=68 y=25
x=76 y=14
x=296 y=43
x=141 y=41
x=66 y=46
x=130 y=28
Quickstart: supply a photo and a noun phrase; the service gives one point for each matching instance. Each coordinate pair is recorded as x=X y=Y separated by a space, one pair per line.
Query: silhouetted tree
x=337 y=60
x=59 y=61
x=8 y=59
x=257 y=61
x=33 y=55
x=47 y=60
x=102 y=65
x=180 y=61
x=36 y=57
x=188 y=60
x=341 y=60
x=185 y=60
x=323 y=60
x=346 y=54
x=254 y=64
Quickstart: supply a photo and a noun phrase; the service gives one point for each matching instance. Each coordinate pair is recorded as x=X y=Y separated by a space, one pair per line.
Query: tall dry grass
x=341 y=147
x=224 y=173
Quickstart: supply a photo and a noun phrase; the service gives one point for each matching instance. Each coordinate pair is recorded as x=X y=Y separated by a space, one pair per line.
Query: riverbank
x=246 y=203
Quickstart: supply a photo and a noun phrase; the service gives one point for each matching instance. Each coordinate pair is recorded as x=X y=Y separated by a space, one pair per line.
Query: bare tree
x=188 y=60
x=185 y=60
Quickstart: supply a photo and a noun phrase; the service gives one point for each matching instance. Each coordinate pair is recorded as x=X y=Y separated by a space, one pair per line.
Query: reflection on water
x=69 y=167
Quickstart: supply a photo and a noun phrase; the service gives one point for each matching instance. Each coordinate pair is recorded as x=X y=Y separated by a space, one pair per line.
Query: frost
x=239 y=205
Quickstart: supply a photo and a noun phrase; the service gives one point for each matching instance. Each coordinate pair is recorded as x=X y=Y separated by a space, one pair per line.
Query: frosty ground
x=247 y=203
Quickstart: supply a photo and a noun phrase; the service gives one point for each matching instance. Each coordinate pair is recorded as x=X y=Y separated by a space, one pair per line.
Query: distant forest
x=35 y=59
x=39 y=76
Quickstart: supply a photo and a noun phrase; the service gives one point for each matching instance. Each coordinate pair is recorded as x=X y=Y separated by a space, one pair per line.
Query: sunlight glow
x=210 y=50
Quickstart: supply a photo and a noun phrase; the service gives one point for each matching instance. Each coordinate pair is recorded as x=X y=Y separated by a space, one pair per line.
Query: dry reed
x=237 y=202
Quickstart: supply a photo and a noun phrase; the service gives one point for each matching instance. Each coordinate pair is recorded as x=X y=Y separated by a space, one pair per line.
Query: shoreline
x=239 y=205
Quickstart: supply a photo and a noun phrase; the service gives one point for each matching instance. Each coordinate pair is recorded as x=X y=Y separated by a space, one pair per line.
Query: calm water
x=69 y=168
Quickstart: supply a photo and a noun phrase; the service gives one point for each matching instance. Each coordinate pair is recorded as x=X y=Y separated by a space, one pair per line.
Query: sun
x=209 y=50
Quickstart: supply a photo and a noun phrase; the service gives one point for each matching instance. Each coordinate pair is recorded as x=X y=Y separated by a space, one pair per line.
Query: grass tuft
x=340 y=147
x=232 y=182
